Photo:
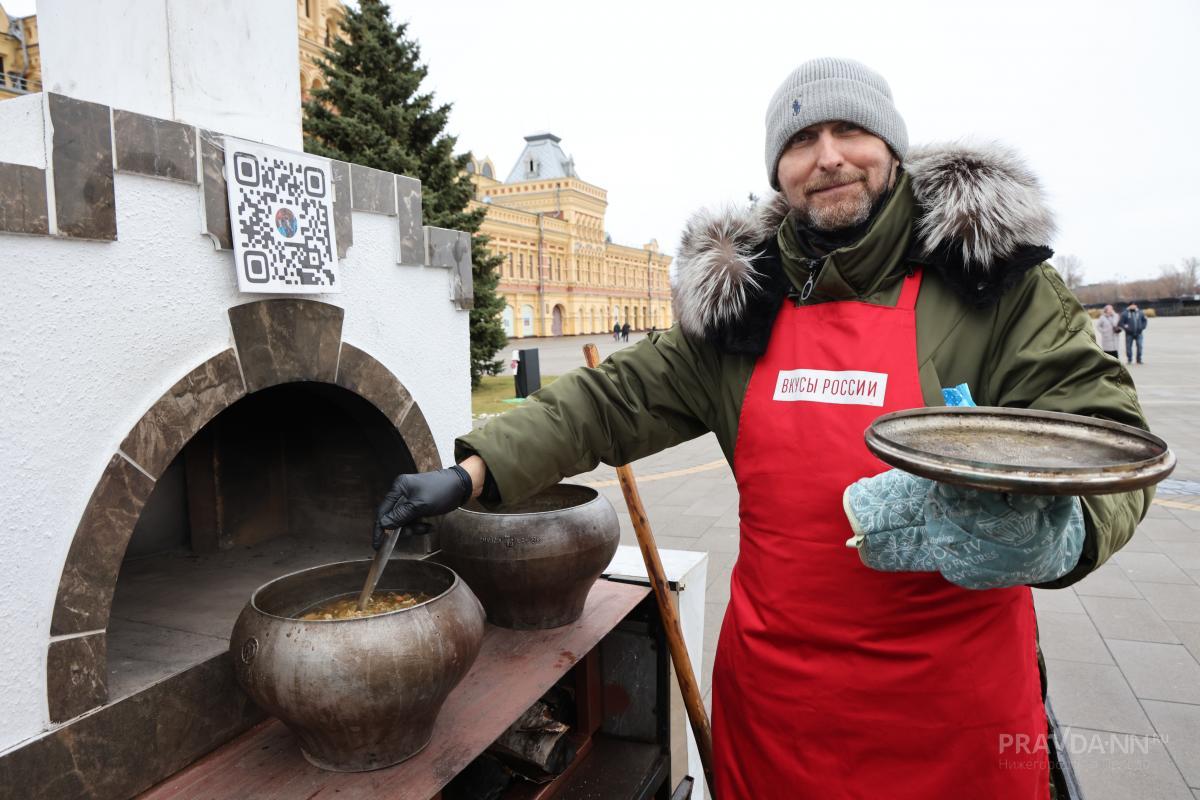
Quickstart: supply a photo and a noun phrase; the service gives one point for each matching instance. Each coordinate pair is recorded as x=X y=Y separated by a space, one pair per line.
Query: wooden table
x=513 y=670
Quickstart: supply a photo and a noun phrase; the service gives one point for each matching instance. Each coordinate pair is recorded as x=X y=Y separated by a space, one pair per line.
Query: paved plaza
x=1122 y=646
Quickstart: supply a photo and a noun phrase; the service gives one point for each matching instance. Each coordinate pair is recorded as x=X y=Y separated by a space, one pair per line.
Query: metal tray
x=1020 y=450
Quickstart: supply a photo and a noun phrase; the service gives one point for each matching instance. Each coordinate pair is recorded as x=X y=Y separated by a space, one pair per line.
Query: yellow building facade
x=562 y=274
x=20 y=62
x=317 y=22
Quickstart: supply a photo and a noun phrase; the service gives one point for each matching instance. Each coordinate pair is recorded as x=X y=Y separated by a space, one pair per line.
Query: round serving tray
x=1020 y=450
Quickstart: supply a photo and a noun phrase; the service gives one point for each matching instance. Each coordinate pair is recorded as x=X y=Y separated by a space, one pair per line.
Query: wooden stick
x=654 y=569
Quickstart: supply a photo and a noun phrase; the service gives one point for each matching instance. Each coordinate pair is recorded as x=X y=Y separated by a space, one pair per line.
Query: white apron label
x=822 y=386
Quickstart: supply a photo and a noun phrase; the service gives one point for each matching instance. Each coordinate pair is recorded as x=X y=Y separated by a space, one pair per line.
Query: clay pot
x=359 y=694
x=533 y=563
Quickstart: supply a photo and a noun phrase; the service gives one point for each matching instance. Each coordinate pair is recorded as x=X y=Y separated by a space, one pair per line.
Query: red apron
x=833 y=680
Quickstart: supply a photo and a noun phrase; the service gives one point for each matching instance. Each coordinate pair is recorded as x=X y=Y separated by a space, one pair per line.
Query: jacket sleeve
x=640 y=400
x=1046 y=357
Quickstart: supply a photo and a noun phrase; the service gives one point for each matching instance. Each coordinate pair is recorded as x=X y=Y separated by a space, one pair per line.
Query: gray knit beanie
x=826 y=89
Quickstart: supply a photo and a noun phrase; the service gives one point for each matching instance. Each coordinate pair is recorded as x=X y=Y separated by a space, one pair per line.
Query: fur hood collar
x=982 y=220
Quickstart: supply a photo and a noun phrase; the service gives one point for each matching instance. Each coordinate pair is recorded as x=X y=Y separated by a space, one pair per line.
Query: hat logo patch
x=795 y=107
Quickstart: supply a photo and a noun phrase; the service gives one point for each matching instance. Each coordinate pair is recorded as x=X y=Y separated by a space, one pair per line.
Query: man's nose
x=829 y=155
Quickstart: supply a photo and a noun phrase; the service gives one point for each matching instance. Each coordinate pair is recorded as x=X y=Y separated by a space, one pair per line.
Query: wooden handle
x=688 y=686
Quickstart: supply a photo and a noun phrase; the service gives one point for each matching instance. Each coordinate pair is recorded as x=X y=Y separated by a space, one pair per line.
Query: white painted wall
x=24 y=136
x=93 y=333
x=231 y=66
x=126 y=66
x=235 y=67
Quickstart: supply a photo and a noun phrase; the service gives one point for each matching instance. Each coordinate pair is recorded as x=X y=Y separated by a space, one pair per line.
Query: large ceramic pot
x=361 y=693
x=532 y=563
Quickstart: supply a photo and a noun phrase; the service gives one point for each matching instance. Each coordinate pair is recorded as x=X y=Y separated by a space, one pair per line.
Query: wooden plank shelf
x=513 y=670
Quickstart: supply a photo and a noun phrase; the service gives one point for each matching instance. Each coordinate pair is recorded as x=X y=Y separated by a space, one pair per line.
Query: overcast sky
x=661 y=103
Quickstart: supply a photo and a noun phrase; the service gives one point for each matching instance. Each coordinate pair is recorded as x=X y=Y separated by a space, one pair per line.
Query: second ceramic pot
x=533 y=563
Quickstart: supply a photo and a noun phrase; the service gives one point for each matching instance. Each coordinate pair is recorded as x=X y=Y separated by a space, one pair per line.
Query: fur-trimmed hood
x=981 y=217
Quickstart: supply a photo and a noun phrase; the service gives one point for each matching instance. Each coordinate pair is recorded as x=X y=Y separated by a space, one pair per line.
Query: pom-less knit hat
x=827 y=89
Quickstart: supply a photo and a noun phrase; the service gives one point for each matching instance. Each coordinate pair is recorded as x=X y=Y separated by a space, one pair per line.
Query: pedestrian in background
x=616 y=331
x=1133 y=322
x=1109 y=326
x=625 y=332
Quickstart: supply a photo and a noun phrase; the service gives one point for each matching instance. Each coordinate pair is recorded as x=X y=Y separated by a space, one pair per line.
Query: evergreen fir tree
x=371 y=112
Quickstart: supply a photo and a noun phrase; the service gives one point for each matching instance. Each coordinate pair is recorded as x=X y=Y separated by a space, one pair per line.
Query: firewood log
x=538 y=740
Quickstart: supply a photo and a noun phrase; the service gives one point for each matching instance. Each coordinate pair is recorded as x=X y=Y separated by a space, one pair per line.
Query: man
x=1133 y=322
x=1109 y=326
x=880 y=638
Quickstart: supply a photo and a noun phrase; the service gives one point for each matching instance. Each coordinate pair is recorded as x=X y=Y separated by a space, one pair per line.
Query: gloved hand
x=1011 y=539
x=887 y=515
x=416 y=495
x=976 y=539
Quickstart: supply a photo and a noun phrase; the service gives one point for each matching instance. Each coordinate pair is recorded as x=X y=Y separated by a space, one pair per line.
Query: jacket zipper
x=814 y=266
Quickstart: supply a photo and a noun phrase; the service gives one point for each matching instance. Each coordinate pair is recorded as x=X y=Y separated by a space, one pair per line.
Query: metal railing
x=16 y=82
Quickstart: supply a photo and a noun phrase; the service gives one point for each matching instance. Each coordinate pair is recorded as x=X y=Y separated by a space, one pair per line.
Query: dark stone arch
x=276 y=341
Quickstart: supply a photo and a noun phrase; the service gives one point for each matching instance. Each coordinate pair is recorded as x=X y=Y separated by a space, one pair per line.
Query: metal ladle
x=381 y=558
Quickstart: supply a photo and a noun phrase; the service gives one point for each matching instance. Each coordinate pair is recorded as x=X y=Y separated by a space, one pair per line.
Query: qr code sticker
x=281 y=211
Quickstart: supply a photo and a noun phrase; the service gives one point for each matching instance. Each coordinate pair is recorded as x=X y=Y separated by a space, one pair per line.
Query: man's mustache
x=835 y=179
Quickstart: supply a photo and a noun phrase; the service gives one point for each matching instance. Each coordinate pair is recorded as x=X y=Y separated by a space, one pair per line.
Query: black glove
x=415 y=495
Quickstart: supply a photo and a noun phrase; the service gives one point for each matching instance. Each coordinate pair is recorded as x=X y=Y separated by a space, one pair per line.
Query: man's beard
x=847 y=212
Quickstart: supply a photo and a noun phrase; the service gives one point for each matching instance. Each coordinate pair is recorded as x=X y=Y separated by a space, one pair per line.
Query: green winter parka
x=990 y=314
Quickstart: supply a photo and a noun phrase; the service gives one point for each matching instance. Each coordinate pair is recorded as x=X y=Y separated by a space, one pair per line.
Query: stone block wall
x=124 y=331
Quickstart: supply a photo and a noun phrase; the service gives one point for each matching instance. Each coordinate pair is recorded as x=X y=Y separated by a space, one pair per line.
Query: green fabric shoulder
x=662 y=391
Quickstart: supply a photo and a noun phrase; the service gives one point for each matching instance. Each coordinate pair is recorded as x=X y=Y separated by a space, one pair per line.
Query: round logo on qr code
x=285 y=223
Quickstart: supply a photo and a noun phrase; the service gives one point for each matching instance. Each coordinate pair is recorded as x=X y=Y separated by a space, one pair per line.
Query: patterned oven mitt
x=976 y=539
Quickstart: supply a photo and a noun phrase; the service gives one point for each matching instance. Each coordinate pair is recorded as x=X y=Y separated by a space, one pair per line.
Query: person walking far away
x=880 y=637
x=1109 y=326
x=625 y=332
x=1134 y=323
x=616 y=331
